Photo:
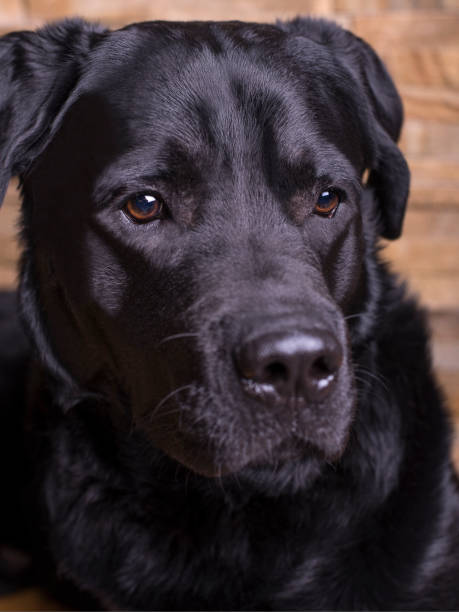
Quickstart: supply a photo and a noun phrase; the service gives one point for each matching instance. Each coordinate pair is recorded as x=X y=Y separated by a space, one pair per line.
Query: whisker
x=167 y=398
x=354 y=316
x=366 y=377
x=177 y=337
x=171 y=412
x=374 y=376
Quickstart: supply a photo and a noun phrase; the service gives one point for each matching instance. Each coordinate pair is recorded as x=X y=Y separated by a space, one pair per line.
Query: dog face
x=196 y=229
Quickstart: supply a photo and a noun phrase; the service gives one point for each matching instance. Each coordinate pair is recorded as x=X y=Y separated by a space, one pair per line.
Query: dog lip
x=290 y=449
x=266 y=393
x=263 y=392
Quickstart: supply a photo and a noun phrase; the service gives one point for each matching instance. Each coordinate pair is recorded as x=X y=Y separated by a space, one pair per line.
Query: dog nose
x=285 y=365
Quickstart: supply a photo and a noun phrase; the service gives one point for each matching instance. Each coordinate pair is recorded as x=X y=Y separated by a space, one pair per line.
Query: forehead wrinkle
x=196 y=105
x=184 y=93
x=205 y=78
x=181 y=73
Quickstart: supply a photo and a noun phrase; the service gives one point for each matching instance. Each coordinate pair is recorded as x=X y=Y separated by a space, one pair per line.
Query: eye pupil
x=144 y=207
x=144 y=203
x=327 y=202
x=325 y=198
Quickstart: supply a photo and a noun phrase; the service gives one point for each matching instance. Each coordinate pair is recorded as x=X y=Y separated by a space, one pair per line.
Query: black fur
x=146 y=473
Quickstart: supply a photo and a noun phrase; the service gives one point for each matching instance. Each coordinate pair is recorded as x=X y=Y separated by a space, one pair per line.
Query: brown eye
x=327 y=203
x=144 y=207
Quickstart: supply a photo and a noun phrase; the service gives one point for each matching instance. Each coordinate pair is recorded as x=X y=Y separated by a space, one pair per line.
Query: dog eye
x=144 y=207
x=327 y=203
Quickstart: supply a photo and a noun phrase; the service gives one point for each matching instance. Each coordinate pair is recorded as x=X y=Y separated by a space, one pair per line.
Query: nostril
x=321 y=368
x=276 y=373
x=278 y=366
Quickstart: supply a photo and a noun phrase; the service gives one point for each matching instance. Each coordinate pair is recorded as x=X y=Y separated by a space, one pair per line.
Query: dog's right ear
x=38 y=70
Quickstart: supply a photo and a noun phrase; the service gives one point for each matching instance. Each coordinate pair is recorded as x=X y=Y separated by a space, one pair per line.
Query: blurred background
x=419 y=41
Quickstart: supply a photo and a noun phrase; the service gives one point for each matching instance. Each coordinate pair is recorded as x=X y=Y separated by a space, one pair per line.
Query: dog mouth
x=278 y=398
x=289 y=450
x=210 y=443
x=290 y=453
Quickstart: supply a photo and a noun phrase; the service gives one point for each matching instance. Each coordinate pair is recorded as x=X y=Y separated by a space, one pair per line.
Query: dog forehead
x=150 y=101
x=199 y=85
x=161 y=75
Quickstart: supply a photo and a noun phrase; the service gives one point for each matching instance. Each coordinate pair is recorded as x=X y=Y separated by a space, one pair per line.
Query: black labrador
x=229 y=403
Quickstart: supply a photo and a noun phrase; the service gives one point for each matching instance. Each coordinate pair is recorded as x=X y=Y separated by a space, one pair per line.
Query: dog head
x=196 y=234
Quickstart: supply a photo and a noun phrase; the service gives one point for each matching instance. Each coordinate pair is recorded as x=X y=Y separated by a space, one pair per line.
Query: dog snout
x=290 y=364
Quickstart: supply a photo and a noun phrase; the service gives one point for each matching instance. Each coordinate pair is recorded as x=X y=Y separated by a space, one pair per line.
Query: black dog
x=230 y=402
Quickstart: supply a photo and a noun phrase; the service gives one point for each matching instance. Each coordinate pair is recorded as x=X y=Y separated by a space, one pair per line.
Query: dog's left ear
x=38 y=70
x=389 y=174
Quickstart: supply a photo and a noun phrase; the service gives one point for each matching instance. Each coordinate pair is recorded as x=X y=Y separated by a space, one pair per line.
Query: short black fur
x=143 y=461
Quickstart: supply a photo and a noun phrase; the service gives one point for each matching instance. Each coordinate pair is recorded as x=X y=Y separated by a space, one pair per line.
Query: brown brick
x=50 y=9
x=435 y=183
x=437 y=170
x=11 y=11
x=429 y=224
x=408 y=29
x=430 y=139
x=429 y=244
x=425 y=193
x=354 y=6
x=437 y=292
x=430 y=66
x=8 y=277
x=431 y=104
x=361 y=7
x=445 y=332
x=420 y=4
x=445 y=326
x=120 y=11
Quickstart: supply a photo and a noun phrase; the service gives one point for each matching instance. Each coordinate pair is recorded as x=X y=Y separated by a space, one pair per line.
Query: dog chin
x=293 y=461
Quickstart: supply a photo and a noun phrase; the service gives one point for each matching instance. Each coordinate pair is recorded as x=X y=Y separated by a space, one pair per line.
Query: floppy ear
x=37 y=72
x=389 y=174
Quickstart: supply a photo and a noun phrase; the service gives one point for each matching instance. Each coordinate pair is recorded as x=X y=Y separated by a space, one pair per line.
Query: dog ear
x=389 y=174
x=37 y=72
